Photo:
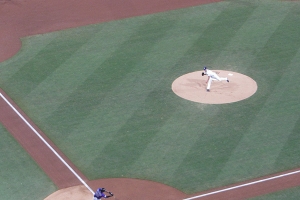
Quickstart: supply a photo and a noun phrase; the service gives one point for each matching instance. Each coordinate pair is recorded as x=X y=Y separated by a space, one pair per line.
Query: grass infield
x=103 y=94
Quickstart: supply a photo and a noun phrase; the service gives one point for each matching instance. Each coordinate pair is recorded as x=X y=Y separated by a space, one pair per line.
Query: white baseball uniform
x=213 y=76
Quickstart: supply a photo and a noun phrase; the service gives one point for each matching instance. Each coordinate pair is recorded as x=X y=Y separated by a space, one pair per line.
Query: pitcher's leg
x=223 y=79
x=209 y=83
x=220 y=78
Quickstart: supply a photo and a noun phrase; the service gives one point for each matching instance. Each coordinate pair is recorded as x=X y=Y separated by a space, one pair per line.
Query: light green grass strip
x=269 y=132
x=252 y=37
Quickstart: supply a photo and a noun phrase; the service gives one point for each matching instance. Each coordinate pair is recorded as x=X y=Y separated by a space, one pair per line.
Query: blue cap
x=204 y=68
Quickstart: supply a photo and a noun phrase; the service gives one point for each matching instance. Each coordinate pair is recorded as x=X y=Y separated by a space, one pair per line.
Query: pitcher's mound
x=192 y=86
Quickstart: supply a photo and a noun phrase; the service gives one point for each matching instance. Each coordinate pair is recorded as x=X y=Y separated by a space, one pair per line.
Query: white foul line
x=48 y=145
x=243 y=185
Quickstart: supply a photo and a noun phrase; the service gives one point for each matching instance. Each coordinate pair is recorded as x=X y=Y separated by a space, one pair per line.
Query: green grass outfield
x=102 y=93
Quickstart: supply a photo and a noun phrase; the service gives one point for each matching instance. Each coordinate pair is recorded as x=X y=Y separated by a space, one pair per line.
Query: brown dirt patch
x=123 y=188
x=79 y=192
x=192 y=86
x=20 y=18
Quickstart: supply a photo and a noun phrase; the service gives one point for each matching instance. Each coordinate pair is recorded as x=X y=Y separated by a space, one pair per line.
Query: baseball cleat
x=207 y=90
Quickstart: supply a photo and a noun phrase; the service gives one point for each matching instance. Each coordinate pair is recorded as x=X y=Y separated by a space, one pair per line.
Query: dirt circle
x=192 y=86
x=76 y=193
x=123 y=189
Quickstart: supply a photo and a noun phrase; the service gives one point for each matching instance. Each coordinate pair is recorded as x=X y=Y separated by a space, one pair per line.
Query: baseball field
x=101 y=93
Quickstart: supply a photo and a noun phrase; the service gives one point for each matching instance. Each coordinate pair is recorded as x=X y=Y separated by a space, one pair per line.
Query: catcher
x=100 y=194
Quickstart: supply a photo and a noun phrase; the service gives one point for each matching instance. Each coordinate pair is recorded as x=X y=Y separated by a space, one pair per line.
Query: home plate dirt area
x=20 y=18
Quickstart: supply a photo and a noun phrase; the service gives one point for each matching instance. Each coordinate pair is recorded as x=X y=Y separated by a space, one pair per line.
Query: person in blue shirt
x=100 y=193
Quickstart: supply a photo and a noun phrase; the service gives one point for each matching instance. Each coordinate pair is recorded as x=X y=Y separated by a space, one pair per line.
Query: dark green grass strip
x=48 y=60
x=289 y=155
x=219 y=33
x=279 y=50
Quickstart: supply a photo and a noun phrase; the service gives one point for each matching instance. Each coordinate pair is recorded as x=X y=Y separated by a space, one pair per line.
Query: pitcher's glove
x=203 y=74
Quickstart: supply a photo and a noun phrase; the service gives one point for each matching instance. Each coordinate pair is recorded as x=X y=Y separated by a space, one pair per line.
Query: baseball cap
x=204 y=68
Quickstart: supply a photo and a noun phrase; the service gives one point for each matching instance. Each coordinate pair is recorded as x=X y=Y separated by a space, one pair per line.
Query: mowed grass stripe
x=107 y=76
x=289 y=153
x=208 y=153
x=172 y=143
x=34 y=72
x=241 y=53
x=282 y=111
x=31 y=46
x=126 y=101
x=250 y=39
x=275 y=121
x=268 y=133
x=218 y=34
x=55 y=89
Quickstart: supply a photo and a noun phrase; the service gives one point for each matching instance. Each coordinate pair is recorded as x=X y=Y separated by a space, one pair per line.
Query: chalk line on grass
x=47 y=144
x=244 y=185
